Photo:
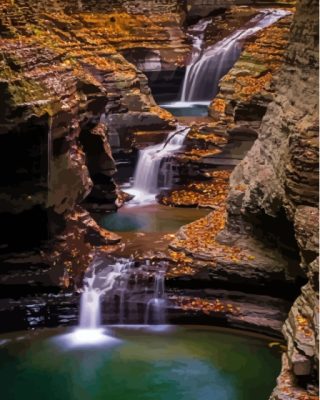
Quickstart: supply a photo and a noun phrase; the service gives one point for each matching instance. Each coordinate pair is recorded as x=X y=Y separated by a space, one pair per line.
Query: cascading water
x=90 y=309
x=197 y=33
x=95 y=286
x=122 y=291
x=203 y=75
x=156 y=306
x=113 y=280
x=146 y=177
x=101 y=280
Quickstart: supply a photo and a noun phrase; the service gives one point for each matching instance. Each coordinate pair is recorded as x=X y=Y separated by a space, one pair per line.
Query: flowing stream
x=209 y=66
x=156 y=307
x=197 y=33
x=97 y=285
x=154 y=170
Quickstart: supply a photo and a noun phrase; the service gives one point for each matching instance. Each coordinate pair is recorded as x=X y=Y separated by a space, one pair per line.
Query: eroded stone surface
x=280 y=172
x=67 y=94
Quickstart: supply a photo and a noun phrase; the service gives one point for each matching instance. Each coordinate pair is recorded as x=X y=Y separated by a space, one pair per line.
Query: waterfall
x=122 y=292
x=146 y=177
x=97 y=285
x=156 y=306
x=90 y=309
x=196 y=32
x=203 y=74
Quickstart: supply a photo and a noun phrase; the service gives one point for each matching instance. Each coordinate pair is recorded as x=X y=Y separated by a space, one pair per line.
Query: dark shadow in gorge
x=277 y=289
x=101 y=167
x=28 y=164
x=166 y=85
x=278 y=232
x=16 y=228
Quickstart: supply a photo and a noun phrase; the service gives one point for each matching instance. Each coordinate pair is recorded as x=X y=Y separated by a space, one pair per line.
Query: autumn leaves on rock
x=60 y=74
x=279 y=173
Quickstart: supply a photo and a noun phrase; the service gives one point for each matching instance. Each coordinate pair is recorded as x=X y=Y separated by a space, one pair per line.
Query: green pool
x=182 y=363
x=150 y=218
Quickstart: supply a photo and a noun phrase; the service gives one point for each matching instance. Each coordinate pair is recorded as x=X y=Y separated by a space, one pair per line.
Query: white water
x=146 y=177
x=156 y=307
x=208 y=67
x=96 y=286
x=90 y=311
x=102 y=279
x=197 y=33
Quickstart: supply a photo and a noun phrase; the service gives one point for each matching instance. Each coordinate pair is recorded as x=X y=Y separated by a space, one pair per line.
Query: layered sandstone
x=67 y=94
x=272 y=206
x=280 y=173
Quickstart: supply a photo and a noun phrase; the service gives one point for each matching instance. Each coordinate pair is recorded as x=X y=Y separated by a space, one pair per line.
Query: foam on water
x=86 y=337
x=151 y=161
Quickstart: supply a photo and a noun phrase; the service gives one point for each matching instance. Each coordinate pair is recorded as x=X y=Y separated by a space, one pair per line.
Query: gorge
x=159 y=202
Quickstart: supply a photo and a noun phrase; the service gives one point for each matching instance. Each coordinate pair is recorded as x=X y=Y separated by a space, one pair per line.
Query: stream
x=153 y=360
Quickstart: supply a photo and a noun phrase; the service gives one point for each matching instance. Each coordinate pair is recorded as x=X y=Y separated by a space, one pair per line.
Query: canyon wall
x=279 y=177
x=65 y=87
x=67 y=94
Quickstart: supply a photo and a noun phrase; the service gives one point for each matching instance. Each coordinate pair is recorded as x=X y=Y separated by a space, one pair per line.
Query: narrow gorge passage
x=158 y=217
x=157 y=171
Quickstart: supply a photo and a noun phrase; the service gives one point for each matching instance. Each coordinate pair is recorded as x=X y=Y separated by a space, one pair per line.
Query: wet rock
x=277 y=181
x=240 y=259
x=62 y=78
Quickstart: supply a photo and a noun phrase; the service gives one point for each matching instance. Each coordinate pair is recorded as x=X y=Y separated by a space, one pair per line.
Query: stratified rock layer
x=66 y=92
x=279 y=177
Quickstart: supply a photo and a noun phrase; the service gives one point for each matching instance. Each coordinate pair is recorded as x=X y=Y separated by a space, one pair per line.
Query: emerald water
x=150 y=218
x=182 y=363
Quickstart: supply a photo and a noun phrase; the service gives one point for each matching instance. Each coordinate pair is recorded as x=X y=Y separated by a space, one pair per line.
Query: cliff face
x=279 y=177
x=237 y=111
x=61 y=79
x=67 y=95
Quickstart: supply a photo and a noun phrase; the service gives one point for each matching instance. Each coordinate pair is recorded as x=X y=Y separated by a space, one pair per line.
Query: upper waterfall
x=209 y=66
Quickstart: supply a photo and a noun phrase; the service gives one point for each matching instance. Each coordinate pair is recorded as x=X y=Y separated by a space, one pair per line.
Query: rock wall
x=202 y=8
x=66 y=93
x=245 y=93
x=136 y=6
x=279 y=176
